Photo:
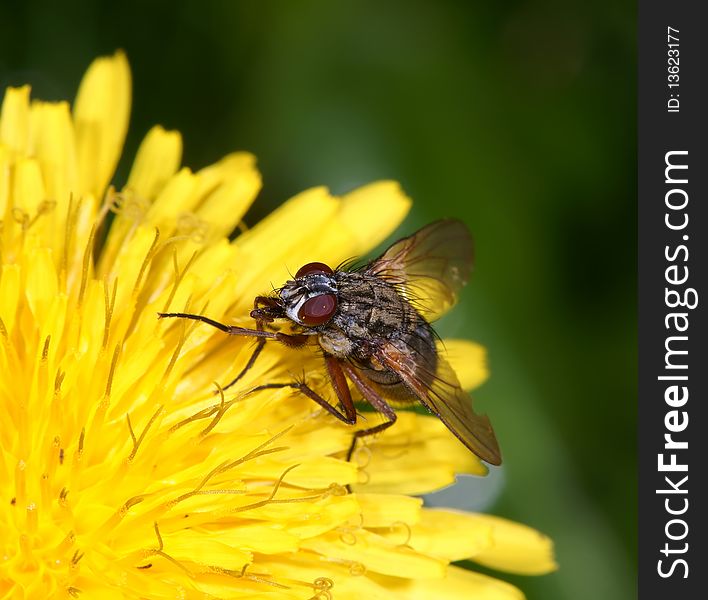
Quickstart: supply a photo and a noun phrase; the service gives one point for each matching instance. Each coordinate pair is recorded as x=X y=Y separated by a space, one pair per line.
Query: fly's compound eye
x=317 y=310
x=313 y=267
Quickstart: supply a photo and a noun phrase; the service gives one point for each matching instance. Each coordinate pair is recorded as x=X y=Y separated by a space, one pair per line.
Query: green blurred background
x=517 y=117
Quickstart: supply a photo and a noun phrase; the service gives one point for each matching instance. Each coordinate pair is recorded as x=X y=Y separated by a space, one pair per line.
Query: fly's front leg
x=265 y=310
x=292 y=341
x=259 y=333
x=260 y=343
x=229 y=329
x=261 y=304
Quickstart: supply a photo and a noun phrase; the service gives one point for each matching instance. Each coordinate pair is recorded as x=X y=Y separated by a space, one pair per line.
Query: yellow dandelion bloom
x=122 y=473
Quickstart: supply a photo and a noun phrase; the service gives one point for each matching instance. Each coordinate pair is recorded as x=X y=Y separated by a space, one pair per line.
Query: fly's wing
x=435 y=384
x=429 y=267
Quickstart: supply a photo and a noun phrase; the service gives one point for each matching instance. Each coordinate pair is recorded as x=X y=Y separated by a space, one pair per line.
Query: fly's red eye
x=318 y=310
x=313 y=267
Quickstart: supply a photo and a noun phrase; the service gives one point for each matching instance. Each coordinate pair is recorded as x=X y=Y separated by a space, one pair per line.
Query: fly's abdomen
x=418 y=351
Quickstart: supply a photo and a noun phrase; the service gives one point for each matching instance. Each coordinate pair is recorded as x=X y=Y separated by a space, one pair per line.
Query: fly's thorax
x=296 y=292
x=370 y=307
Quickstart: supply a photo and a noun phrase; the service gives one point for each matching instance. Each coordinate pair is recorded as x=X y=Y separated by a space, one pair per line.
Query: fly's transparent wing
x=435 y=384
x=429 y=267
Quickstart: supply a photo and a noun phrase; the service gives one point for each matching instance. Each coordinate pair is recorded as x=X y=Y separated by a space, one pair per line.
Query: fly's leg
x=251 y=361
x=230 y=329
x=339 y=384
x=377 y=402
x=259 y=332
x=289 y=340
x=292 y=341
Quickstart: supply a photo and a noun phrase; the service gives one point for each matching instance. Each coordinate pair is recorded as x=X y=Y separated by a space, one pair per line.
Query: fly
x=372 y=324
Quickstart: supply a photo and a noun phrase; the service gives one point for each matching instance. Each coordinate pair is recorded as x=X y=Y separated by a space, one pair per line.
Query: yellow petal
x=311 y=519
x=365 y=217
x=450 y=535
x=53 y=144
x=14 y=119
x=175 y=196
x=517 y=548
x=41 y=285
x=93 y=321
x=101 y=114
x=9 y=295
x=255 y=537
x=5 y=187
x=376 y=554
x=232 y=165
x=349 y=581
x=197 y=547
x=129 y=263
x=415 y=456
x=28 y=190
x=458 y=585
x=315 y=226
x=282 y=242
x=468 y=360
x=385 y=510
x=316 y=472
x=225 y=204
x=157 y=160
x=371 y=213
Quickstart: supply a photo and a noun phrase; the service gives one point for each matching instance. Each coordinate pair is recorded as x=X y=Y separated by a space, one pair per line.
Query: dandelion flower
x=125 y=472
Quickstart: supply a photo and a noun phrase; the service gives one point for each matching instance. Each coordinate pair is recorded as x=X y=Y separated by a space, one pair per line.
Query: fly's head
x=310 y=300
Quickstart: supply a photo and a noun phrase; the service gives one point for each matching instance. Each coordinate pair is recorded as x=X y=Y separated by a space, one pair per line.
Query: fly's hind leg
x=339 y=383
x=377 y=402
